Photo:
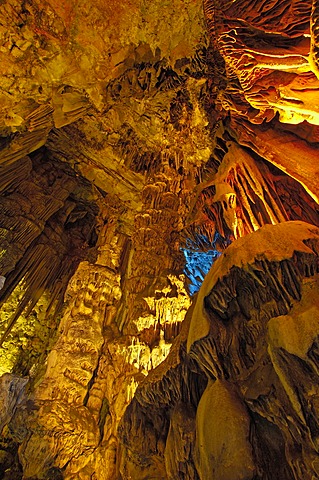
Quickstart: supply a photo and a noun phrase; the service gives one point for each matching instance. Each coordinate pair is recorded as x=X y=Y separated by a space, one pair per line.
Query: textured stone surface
x=223 y=452
x=259 y=304
x=129 y=133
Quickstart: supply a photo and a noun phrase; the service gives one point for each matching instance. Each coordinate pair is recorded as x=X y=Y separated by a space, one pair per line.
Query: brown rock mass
x=145 y=148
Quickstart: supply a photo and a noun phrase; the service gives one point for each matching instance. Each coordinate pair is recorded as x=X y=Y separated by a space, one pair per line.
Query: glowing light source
x=198 y=263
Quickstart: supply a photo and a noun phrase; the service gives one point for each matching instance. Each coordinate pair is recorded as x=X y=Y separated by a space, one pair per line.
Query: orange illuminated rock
x=138 y=141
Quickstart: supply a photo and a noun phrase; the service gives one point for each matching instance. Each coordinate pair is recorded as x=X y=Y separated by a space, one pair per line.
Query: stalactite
x=42 y=268
x=22 y=145
x=129 y=136
x=14 y=173
x=43 y=243
x=233 y=354
x=40 y=118
x=268 y=143
x=266 y=69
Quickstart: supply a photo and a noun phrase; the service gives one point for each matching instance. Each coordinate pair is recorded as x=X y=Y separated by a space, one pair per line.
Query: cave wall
x=131 y=133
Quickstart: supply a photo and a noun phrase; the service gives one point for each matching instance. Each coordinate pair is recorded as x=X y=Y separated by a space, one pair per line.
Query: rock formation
x=142 y=142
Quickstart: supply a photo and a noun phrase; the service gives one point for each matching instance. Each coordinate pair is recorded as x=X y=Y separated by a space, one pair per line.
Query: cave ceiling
x=140 y=142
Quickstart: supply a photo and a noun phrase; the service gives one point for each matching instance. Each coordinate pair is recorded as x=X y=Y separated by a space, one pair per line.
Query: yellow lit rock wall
x=130 y=130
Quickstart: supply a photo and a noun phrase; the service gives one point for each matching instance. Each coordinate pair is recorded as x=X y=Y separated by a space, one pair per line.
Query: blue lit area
x=198 y=263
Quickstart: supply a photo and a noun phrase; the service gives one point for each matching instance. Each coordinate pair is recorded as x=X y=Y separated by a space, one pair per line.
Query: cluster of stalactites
x=245 y=195
x=45 y=231
x=270 y=52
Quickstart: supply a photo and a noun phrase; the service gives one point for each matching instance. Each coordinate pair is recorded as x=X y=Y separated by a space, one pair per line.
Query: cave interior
x=159 y=240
